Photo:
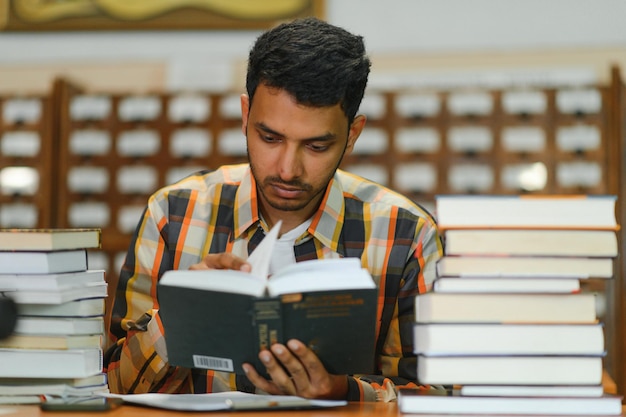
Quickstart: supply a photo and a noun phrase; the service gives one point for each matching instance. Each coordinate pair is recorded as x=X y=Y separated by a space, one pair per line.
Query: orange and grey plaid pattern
x=213 y=212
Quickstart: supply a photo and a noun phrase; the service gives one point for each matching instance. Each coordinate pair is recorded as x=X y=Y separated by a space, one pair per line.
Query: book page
x=261 y=255
x=321 y=275
x=223 y=401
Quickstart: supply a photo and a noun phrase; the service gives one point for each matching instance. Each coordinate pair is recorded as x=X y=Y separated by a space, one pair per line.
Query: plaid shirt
x=213 y=212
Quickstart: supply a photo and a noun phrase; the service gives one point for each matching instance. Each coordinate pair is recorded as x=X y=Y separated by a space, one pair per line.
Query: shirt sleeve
x=397 y=363
x=136 y=362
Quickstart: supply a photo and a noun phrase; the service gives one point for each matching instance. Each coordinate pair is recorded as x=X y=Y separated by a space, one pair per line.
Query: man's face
x=294 y=150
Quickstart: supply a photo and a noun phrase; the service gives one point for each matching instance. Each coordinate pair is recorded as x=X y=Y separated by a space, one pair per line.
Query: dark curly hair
x=317 y=63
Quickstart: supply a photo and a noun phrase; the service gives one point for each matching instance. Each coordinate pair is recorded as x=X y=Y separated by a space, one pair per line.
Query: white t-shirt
x=283 y=255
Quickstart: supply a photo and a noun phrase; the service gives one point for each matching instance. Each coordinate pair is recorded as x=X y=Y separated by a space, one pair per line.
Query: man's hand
x=295 y=370
x=222 y=261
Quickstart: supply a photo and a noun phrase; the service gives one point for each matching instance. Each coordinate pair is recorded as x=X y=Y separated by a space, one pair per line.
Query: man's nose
x=290 y=163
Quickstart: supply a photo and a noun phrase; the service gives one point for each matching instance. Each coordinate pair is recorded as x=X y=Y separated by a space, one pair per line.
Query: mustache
x=294 y=183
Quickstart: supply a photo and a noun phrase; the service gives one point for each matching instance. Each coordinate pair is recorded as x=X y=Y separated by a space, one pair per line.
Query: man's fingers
x=259 y=381
x=279 y=377
x=280 y=382
x=222 y=261
x=308 y=360
x=295 y=368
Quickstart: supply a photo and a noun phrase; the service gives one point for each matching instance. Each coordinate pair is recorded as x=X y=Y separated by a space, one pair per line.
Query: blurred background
x=546 y=40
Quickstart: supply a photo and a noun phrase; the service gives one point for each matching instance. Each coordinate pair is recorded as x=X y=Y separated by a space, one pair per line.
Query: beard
x=310 y=193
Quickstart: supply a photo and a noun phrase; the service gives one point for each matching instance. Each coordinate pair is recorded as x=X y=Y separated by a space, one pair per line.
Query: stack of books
x=507 y=327
x=56 y=346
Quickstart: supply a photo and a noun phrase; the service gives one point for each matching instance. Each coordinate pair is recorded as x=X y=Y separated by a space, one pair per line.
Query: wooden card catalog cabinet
x=537 y=141
x=26 y=146
x=117 y=149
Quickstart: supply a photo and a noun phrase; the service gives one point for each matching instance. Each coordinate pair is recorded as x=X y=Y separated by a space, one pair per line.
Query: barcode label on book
x=211 y=362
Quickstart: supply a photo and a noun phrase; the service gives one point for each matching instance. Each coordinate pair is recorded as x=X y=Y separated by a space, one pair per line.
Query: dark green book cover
x=219 y=330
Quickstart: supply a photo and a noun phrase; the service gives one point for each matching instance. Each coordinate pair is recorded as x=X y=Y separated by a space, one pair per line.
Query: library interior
x=103 y=102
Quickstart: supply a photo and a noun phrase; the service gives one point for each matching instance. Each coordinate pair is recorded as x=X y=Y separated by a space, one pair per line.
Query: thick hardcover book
x=538 y=211
x=35 y=262
x=509 y=370
x=491 y=284
x=220 y=319
x=85 y=307
x=56 y=387
x=53 y=281
x=439 y=307
x=531 y=242
x=22 y=385
x=60 y=296
x=21 y=399
x=411 y=401
x=42 y=363
x=508 y=339
x=31 y=325
x=34 y=341
x=533 y=390
x=49 y=239
x=529 y=266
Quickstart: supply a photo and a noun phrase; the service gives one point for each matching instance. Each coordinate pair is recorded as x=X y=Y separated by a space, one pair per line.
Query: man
x=304 y=84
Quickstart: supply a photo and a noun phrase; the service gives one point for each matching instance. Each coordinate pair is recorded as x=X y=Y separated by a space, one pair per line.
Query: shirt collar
x=246 y=205
x=327 y=221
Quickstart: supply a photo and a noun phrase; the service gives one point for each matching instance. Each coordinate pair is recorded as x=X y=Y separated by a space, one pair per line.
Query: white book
x=22 y=385
x=40 y=363
x=537 y=211
x=532 y=390
x=412 y=401
x=20 y=399
x=509 y=370
x=31 y=262
x=59 y=390
x=55 y=281
x=530 y=242
x=85 y=307
x=529 y=266
x=442 y=307
x=59 y=296
x=59 y=325
x=508 y=339
x=492 y=284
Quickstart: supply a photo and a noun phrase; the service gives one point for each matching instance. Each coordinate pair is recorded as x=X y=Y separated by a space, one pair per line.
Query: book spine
x=267 y=322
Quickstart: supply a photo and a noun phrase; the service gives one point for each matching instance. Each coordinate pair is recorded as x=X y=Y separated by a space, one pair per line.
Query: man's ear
x=355 y=131
x=245 y=110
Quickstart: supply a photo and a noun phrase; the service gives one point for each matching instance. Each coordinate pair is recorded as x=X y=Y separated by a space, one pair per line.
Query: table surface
x=350 y=410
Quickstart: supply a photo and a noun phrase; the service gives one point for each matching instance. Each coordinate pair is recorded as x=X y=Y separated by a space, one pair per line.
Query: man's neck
x=289 y=222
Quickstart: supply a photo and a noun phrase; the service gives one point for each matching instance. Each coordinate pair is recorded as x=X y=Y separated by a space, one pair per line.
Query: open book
x=220 y=319
x=235 y=401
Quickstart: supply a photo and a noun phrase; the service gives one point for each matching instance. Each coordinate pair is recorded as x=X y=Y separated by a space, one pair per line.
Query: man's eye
x=269 y=139
x=318 y=148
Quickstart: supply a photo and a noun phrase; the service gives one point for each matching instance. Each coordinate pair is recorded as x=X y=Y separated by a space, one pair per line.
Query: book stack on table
x=56 y=346
x=508 y=327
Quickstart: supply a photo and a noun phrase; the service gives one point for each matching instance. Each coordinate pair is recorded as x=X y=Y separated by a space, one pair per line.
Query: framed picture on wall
x=86 y=15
